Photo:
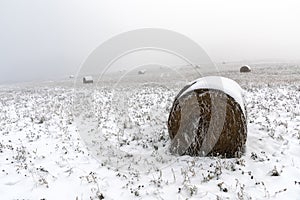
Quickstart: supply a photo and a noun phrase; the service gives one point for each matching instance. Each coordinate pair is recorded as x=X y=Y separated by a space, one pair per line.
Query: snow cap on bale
x=208 y=117
x=245 y=68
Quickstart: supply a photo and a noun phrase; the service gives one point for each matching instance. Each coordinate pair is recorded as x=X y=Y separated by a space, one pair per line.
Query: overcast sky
x=45 y=39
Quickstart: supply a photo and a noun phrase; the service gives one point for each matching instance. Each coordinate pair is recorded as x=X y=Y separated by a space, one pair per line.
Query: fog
x=44 y=40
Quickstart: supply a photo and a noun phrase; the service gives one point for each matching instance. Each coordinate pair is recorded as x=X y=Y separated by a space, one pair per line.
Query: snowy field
x=58 y=141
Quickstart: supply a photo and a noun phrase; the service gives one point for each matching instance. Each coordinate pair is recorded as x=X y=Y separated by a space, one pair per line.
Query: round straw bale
x=208 y=120
x=245 y=68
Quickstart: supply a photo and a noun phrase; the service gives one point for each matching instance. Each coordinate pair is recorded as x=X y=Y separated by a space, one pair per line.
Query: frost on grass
x=42 y=154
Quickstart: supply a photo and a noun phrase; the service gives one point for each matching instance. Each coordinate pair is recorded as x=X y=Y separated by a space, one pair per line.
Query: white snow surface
x=42 y=155
x=226 y=85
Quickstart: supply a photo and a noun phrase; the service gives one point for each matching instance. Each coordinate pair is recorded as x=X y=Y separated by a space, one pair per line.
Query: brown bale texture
x=207 y=122
x=245 y=68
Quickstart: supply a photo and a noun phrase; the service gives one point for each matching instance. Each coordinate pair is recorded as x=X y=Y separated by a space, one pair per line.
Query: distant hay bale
x=141 y=72
x=88 y=79
x=206 y=121
x=245 y=68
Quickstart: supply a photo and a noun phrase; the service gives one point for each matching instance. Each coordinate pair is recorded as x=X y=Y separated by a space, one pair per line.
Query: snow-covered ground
x=63 y=142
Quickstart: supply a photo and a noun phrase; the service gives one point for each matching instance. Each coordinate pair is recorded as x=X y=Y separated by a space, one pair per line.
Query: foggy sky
x=50 y=39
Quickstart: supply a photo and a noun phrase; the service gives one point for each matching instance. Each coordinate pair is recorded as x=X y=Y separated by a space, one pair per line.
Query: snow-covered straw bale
x=208 y=118
x=88 y=79
x=142 y=72
x=245 y=68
